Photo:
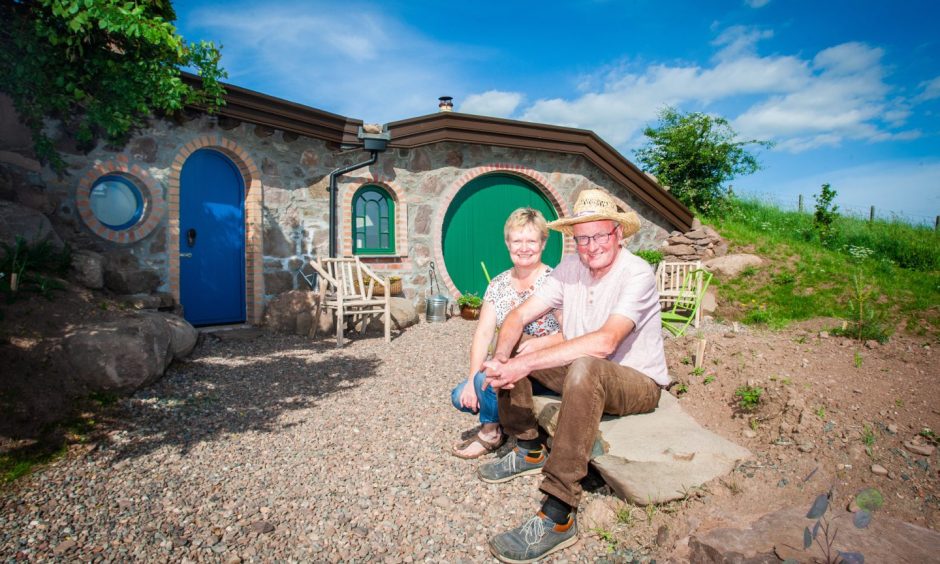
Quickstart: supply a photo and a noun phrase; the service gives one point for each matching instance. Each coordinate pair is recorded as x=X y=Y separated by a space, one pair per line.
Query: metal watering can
x=435 y=306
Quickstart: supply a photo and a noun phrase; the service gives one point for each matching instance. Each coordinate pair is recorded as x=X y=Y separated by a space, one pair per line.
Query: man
x=611 y=360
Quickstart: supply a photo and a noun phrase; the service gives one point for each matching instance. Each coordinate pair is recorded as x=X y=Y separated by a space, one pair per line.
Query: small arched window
x=373 y=222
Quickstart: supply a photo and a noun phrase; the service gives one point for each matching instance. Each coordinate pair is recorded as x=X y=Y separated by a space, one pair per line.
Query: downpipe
x=333 y=188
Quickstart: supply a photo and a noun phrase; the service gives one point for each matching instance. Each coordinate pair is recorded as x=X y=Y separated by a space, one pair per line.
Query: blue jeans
x=489 y=413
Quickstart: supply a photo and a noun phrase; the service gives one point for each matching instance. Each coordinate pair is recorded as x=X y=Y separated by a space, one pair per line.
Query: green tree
x=695 y=155
x=100 y=66
x=825 y=214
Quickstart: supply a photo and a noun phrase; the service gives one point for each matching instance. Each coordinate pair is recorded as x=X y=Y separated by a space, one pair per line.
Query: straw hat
x=596 y=205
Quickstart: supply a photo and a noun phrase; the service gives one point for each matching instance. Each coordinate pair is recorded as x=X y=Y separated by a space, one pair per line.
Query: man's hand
x=503 y=375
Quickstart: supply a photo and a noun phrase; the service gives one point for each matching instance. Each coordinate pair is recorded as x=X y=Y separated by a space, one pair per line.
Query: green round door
x=473 y=229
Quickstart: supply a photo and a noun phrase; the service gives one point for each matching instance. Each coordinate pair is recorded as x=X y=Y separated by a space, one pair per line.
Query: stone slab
x=654 y=457
x=780 y=534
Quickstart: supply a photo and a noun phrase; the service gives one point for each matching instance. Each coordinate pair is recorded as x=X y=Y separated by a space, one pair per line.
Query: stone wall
x=293 y=173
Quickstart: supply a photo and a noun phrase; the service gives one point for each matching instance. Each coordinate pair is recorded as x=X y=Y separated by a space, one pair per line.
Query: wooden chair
x=671 y=278
x=349 y=288
x=687 y=306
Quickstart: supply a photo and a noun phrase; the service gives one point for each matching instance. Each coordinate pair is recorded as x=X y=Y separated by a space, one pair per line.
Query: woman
x=525 y=234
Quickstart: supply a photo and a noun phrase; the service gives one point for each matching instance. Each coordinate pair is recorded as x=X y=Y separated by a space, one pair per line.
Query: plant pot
x=469 y=313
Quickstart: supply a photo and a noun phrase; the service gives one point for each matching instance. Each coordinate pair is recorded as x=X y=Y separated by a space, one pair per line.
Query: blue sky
x=848 y=90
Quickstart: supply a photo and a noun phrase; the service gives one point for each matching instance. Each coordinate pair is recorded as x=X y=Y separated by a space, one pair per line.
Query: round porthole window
x=116 y=202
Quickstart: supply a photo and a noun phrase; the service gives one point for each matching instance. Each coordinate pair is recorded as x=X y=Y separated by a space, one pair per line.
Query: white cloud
x=931 y=90
x=801 y=103
x=739 y=40
x=361 y=63
x=491 y=103
x=757 y=3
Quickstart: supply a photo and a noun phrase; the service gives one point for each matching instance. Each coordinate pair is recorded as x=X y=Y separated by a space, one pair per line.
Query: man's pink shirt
x=628 y=289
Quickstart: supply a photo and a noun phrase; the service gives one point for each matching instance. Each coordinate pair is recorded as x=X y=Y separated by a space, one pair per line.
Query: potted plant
x=470 y=305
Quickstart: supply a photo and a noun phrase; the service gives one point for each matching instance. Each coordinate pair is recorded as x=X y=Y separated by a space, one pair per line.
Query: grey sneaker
x=512 y=465
x=537 y=538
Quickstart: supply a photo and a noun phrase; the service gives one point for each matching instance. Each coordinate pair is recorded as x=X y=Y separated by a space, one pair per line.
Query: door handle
x=191 y=237
x=186 y=255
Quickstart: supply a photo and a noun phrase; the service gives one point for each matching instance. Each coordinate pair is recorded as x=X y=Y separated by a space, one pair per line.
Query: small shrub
x=651 y=256
x=748 y=397
x=825 y=214
x=682 y=388
x=708 y=379
x=698 y=371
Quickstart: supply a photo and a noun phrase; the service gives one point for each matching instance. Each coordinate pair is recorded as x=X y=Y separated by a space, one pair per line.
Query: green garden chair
x=686 y=309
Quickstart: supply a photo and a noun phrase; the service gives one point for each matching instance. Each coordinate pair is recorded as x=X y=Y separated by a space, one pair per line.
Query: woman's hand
x=468 y=397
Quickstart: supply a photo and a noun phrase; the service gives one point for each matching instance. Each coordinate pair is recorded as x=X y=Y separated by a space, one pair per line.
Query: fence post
x=936 y=224
x=799 y=205
x=871 y=215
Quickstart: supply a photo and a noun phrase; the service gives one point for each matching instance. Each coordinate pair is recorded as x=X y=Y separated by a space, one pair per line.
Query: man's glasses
x=600 y=238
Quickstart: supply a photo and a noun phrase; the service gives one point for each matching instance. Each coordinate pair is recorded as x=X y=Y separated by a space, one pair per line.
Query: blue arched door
x=212 y=240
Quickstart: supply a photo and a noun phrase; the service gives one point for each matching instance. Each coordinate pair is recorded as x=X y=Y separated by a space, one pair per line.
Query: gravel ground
x=279 y=449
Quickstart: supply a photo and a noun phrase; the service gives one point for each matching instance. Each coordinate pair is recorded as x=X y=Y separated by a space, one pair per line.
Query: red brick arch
x=154 y=205
x=349 y=189
x=254 y=229
x=529 y=175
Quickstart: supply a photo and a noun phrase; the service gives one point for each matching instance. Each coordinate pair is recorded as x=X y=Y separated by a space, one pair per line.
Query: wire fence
x=801 y=203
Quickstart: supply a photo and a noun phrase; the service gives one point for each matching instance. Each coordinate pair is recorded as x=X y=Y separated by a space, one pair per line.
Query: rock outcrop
x=20 y=221
x=701 y=243
x=731 y=266
x=779 y=536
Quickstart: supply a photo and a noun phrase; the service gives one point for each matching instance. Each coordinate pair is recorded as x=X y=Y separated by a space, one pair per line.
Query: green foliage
x=30 y=264
x=682 y=388
x=748 y=397
x=709 y=379
x=825 y=213
x=694 y=155
x=821 y=412
x=625 y=515
x=857 y=360
x=651 y=256
x=868 y=439
x=100 y=66
x=868 y=500
x=20 y=461
x=698 y=371
x=822 y=277
x=470 y=300
x=866 y=321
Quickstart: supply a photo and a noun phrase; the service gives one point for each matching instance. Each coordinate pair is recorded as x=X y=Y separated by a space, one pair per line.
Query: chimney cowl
x=445 y=104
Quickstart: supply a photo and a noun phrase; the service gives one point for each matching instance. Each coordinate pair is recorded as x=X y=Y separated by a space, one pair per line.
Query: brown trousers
x=589 y=387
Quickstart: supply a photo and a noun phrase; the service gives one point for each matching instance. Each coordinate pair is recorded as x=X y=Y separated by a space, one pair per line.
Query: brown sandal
x=488 y=446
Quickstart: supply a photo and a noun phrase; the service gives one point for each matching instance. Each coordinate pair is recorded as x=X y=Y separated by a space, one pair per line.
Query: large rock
x=404 y=314
x=732 y=265
x=20 y=221
x=779 y=536
x=280 y=315
x=183 y=336
x=120 y=356
x=123 y=275
x=131 y=281
x=88 y=269
x=654 y=457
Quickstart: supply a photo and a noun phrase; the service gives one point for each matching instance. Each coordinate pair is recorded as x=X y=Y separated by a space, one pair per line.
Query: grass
x=868 y=438
x=54 y=440
x=897 y=262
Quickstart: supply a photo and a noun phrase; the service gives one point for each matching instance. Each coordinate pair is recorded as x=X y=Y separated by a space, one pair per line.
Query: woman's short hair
x=525 y=217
